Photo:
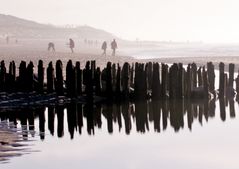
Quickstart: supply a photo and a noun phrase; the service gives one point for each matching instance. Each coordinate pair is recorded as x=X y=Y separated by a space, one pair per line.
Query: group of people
x=71 y=44
x=114 y=46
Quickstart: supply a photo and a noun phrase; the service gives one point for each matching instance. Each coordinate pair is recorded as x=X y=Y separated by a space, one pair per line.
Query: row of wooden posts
x=127 y=81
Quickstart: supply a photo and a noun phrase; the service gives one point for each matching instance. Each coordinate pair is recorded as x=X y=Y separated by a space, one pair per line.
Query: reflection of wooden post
x=221 y=80
x=59 y=78
x=40 y=77
x=156 y=82
x=50 y=78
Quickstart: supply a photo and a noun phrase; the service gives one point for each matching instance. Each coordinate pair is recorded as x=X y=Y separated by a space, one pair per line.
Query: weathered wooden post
x=70 y=79
x=88 y=81
x=30 y=76
x=132 y=76
x=118 y=81
x=205 y=83
x=180 y=93
x=125 y=80
x=221 y=80
x=200 y=78
x=3 y=72
x=188 y=82
x=237 y=85
x=194 y=74
x=149 y=74
x=59 y=78
x=155 y=82
x=41 y=69
x=50 y=78
x=11 y=77
x=22 y=76
x=114 y=77
x=78 y=78
x=230 y=89
x=109 y=87
x=98 y=84
x=211 y=77
x=164 y=82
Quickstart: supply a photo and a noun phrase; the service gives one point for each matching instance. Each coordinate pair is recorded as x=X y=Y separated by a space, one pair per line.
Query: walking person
x=104 y=47
x=113 y=47
x=71 y=45
x=51 y=46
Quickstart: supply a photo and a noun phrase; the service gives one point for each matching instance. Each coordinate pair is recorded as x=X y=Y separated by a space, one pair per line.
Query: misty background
x=213 y=21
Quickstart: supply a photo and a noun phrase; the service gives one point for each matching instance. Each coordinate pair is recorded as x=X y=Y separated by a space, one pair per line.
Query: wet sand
x=18 y=52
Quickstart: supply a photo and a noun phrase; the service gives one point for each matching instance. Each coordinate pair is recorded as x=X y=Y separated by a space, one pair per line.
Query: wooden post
x=59 y=78
x=125 y=80
x=194 y=74
x=118 y=81
x=180 y=93
x=155 y=82
x=109 y=87
x=3 y=72
x=30 y=76
x=230 y=89
x=188 y=82
x=40 y=88
x=114 y=77
x=164 y=80
x=78 y=78
x=98 y=85
x=211 y=77
x=221 y=80
x=50 y=78
x=205 y=83
x=88 y=81
x=12 y=77
x=70 y=79
x=237 y=85
x=22 y=76
x=200 y=78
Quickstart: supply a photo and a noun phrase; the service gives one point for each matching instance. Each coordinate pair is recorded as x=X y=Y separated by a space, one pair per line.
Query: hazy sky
x=178 y=20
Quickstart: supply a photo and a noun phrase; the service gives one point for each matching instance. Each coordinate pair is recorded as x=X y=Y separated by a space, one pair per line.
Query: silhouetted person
x=71 y=45
x=104 y=47
x=113 y=47
x=7 y=39
x=51 y=46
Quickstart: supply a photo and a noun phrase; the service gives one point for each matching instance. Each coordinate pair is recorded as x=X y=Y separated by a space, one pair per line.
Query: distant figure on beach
x=113 y=47
x=104 y=47
x=7 y=39
x=51 y=46
x=71 y=45
x=16 y=41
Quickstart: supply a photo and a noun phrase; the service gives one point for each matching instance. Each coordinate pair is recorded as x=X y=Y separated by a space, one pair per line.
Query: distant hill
x=22 y=28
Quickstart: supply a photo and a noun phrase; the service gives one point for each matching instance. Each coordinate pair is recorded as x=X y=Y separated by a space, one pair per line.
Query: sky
x=160 y=20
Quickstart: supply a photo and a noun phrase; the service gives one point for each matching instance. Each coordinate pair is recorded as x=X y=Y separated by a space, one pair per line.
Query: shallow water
x=175 y=134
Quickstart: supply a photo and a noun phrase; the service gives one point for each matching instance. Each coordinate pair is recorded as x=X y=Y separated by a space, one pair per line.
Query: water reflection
x=138 y=115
